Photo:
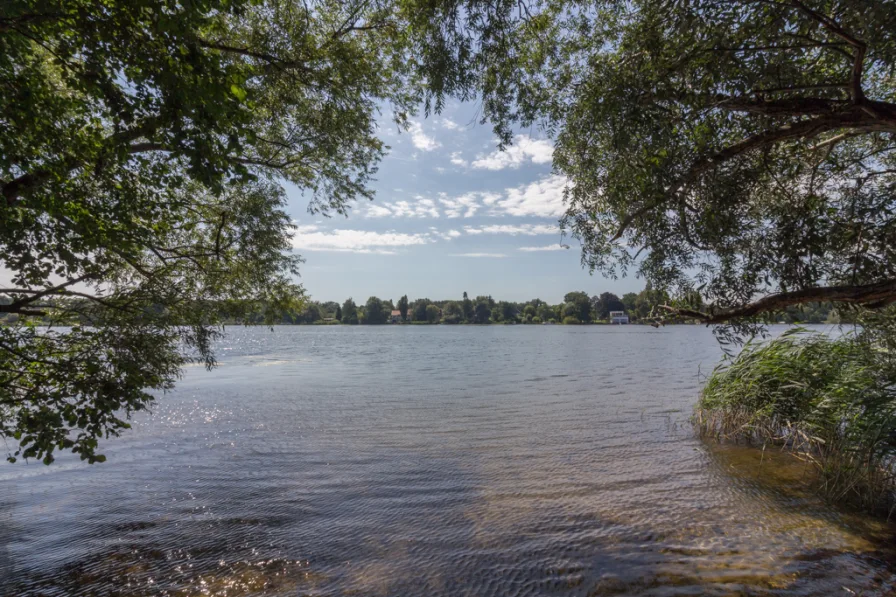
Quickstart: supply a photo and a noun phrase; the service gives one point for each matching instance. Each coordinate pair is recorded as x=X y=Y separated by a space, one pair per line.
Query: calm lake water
x=434 y=461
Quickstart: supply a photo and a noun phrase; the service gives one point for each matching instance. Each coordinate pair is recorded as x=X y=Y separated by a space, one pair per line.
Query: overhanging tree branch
x=874 y=295
x=20 y=305
x=22 y=311
x=13 y=189
x=8 y=23
x=829 y=24
x=854 y=120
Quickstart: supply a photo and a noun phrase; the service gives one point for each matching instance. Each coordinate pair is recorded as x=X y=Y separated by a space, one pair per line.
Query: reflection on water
x=434 y=461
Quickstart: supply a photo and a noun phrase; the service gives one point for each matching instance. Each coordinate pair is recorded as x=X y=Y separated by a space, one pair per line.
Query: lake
x=443 y=460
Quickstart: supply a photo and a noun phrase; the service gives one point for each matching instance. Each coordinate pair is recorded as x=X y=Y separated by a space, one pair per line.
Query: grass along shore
x=830 y=401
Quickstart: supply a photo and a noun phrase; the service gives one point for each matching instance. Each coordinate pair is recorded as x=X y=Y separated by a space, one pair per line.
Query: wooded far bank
x=645 y=307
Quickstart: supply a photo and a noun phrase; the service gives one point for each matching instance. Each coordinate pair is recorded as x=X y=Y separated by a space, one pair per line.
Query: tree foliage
x=403 y=307
x=452 y=313
x=606 y=302
x=419 y=310
x=144 y=148
x=581 y=305
x=481 y=313
x=350 y=312
x=375 y=311
x=467 y=307
x=727 y=151
x=742 y=149
x=546 y=313
x=433 y=313
x=310 y=314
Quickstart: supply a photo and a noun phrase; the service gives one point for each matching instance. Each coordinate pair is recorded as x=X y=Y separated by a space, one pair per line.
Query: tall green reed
x=831 y=401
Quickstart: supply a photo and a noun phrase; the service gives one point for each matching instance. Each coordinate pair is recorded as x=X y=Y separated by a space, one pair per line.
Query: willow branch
x=854 y=119
x=874 y=295
x=35 y=295
x=13 y=189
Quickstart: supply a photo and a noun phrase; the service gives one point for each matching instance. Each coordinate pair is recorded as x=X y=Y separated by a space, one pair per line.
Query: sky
x=450 y=214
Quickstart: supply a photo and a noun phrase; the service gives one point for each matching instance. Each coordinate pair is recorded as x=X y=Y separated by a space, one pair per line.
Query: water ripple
x=433 y=461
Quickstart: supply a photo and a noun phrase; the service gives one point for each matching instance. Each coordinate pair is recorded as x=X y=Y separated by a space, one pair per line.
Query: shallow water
x=414 y=460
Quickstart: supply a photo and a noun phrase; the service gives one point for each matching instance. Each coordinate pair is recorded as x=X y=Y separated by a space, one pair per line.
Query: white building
x=618 y=317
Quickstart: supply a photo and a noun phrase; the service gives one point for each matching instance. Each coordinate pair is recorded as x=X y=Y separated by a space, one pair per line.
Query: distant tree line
x=577 y=308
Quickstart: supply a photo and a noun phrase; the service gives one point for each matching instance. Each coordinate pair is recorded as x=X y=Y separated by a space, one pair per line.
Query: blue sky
x=451 y=214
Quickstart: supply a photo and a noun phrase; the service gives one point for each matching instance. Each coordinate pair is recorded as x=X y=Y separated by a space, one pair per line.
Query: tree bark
x=874 y=295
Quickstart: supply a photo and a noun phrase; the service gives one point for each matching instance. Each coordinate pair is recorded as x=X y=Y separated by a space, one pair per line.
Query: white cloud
x=449 y=124
x=428 y=206
x=543 y=198
x=490 y=198
x=458 y=160
x=311 y=238
x=449 y=235
x=514 y=230
x=557 y=247
x=420 y=207
x=378 y=211
x=465 y=205
x=420 y=139
x=524 y=148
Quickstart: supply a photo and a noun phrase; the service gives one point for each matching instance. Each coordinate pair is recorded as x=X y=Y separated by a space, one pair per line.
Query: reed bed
x=830 y=401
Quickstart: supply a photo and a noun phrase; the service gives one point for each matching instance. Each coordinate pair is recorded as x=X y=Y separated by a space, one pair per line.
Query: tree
x=467 y=307
x=143 y=151
x=403 y=307
x=742 y=149
x=570 y=310
x=375 y=312
x=452 y=313
x=419 y=311
x=310 y=314
x=496 y=314
x=338 y=314
x=605 y=303
x=630 y=302
x=488 y=300
x=481 y=313
x=507 y=312
x=349 y=312
x=546 y=313
x=650 y=302
x=530 y=312
x=536 y=303
x=433 y=313
x=582 y=306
